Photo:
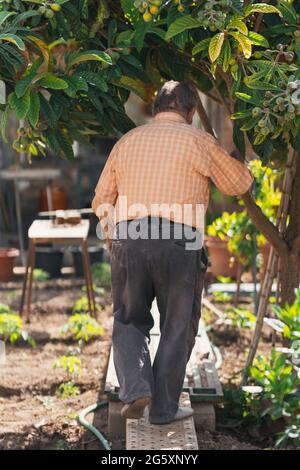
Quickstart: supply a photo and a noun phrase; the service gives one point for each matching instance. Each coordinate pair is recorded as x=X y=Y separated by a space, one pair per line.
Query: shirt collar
x=169 y=116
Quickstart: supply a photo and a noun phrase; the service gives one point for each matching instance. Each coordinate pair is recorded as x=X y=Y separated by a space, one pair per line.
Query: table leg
x=31 y=267
x=19 y=221
x=29 y=255
x=88 y=278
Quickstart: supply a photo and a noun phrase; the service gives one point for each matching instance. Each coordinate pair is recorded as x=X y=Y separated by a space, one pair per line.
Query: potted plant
x=223 y=263
x=7 y=260
x=230 y=237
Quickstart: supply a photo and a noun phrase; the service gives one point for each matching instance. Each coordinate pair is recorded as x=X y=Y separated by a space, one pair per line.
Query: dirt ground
x=33 y=416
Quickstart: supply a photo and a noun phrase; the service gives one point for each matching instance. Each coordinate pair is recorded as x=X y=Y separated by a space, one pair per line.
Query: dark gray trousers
x=141 y=271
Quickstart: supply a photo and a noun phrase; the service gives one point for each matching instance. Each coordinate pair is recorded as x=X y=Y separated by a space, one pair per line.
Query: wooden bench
x=202 y=389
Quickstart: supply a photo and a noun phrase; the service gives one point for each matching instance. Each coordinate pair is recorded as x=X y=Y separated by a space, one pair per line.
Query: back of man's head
x=176 y=96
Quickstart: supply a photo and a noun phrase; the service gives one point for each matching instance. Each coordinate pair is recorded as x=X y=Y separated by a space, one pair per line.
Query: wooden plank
x=212 y=377
x=178 y=435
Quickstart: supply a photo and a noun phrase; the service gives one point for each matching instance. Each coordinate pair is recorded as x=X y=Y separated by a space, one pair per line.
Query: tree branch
x=266 y=227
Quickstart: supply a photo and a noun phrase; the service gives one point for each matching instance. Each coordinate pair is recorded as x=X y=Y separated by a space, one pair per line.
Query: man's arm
x=232 y=177
x=106 y=194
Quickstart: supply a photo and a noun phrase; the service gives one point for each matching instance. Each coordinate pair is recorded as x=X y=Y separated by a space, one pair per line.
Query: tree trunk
x=290 y=262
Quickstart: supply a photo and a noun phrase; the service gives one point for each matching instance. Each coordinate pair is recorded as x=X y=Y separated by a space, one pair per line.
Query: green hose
x=89 y=426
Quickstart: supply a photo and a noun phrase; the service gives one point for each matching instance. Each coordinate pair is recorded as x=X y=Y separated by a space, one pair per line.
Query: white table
x=44 y=231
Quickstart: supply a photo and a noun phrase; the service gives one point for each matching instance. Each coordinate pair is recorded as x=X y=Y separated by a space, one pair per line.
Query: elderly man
x=157 y=177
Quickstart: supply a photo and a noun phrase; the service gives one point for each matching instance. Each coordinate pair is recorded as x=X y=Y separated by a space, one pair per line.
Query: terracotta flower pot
x=220 y=257
x=7 y=259
x=59 y=200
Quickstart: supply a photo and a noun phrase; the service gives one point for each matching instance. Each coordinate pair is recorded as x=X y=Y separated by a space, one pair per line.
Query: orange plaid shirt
x=167 y=162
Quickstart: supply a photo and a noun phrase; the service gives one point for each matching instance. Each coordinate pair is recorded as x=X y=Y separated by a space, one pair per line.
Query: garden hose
x=89 y=426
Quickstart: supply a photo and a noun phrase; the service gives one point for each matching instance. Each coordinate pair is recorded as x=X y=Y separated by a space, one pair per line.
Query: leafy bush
x=83 y=327
x=40 y=275
x=221 y=297
x=289 y=315
x=82 y=306
x=70 y=364
x=101 y=273
x=68 y=389
x=240 y=318
x=11 y=327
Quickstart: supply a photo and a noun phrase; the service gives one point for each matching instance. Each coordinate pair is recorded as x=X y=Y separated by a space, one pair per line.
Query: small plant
x=40 y=275
x=224 y=279
x=241 y=318
x=289 y=316
x=100 y=291
x=11 y=327
x=68 y=389
x=222 y=297
x=83 y=327
x=101 y=273
x=281 y=385
x=82 y=306
x=70 y=364
x=290 y=434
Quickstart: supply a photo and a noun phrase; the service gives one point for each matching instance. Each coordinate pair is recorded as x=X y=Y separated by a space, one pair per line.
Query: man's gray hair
x=176 y=96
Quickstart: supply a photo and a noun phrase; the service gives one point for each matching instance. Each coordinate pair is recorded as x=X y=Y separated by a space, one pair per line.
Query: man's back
x=167 y=162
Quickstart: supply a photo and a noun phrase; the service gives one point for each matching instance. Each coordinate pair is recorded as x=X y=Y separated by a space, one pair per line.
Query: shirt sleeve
x=231 y=177
x=106 y=191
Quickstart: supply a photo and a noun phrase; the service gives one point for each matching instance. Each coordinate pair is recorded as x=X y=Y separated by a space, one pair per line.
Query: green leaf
x=4 y=15
x=227 y=54
x=23 y=84
x=52 y=81
x=244 y=42
x=78 y=57
x=20 y=105
x=14 y=40
x=215 y=46
x=261 y=8
x=288 y=12
x=183 y=23
x=3 y=125
x=258 y=39
x=95 y=79
x=238 y=24
x=34 y=110
x=258 y=85
x=249 y=124
x=65 y=145
x=259 y=139
x=75 y=83
x=201 y=46
x=48 y=112
x=244 y=97
x=241 y=114
x=133 y=84
x=24 y=16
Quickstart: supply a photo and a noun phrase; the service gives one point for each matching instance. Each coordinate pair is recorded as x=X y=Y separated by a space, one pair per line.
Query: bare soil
x=34 y=416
